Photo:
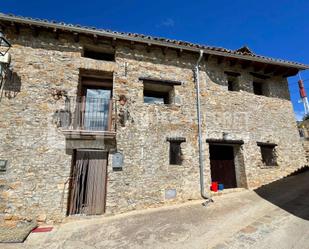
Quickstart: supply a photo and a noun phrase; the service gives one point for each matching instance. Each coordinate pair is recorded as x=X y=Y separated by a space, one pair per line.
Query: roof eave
x=147 y=41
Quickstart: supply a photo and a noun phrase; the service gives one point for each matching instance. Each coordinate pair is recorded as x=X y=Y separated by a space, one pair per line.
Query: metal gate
x=88 y=183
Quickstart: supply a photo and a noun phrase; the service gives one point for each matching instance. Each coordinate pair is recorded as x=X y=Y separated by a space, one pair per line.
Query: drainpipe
x=200 y=140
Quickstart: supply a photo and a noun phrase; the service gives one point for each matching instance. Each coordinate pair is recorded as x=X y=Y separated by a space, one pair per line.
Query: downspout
x=200 y=140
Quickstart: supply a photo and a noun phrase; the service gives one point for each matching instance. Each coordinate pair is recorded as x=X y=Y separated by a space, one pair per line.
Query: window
x=175 y=150
x=95 y=101
x=232 y=80
x=232 y=84
x=261 y=88
x=257 y=88
x=175 y=153
x=268 y=152
x=158 y=93
x=98 y=55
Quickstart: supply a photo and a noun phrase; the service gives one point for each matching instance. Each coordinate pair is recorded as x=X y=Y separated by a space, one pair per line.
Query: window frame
x=175 y=159
x=175 y=153
x=232 y=85
x=232 y=81
x=157 y=94
x=102 y=55
x=167 y=92
x=268 y=154
x=258 y=91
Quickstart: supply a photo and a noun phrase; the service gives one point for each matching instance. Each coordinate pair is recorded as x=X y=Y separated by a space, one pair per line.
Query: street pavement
x=275 y=216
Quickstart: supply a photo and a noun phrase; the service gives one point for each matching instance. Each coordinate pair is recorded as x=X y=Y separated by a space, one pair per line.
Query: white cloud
x=299 y=115
x=168 y=22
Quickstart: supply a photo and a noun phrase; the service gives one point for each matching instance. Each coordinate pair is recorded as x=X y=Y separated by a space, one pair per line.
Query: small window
x=232 y=84
x=301 y=132
x=98 y=55
x=158 y=94
x=257 y=88
x=268 y=153
x=175 y=153
x=152 y=97
x=232 y=80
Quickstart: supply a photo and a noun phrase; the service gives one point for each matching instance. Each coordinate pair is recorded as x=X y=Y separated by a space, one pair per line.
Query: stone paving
x=276 y=217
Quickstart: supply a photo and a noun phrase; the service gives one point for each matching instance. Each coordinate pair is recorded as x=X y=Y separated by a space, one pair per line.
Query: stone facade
x=303 y=127
x=36 y=182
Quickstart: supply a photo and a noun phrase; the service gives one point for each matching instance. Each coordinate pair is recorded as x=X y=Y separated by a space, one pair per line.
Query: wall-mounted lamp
x=5 y=45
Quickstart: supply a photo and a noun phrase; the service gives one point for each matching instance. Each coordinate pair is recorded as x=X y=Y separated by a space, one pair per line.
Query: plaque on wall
x=3 y=164
x=117 y=161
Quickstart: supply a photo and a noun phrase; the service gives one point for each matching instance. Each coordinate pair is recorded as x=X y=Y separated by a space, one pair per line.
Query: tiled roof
x=243 y=53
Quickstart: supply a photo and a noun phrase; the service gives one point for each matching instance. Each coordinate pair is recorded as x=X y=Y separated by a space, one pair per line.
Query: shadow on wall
x=11 y=86
x=216 y=77
x=290 y=193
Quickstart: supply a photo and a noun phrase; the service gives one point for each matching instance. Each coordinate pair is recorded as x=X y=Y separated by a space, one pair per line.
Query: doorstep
x=227 y=191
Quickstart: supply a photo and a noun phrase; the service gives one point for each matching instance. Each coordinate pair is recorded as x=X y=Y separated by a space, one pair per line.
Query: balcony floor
x=79 y=134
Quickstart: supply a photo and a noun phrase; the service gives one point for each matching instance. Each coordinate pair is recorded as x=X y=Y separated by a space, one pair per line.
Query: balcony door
x=96 y=105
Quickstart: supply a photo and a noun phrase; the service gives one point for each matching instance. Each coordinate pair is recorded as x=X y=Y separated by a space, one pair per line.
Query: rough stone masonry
x=46 y=59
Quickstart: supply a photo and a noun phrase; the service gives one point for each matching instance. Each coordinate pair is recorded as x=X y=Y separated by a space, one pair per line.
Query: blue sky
x=275 y=28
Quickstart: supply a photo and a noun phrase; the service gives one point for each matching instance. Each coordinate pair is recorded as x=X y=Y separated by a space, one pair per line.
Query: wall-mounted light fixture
x=5 y=45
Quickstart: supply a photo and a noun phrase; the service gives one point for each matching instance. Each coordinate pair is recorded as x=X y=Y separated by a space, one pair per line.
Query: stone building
x=95 y=121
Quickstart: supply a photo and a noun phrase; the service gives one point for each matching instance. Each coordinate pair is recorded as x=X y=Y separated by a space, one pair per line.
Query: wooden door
x=223 y=171
x=222 y=165
x=88 y=184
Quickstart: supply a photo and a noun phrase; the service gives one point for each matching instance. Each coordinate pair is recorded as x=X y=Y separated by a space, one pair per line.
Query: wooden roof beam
x=260 y=76
x=114 y=42
x=132 y=45
x=56 y=33
x=290 y=72
x=34 y=30
x=233 y=62
x=246 y=64
x=16 y=28
x=148 y=46
x=164 y=50
x=207 y=57
x=280 y=71
x=269 y=69
x=258 y=67
x=220 y=60
x=76 y=37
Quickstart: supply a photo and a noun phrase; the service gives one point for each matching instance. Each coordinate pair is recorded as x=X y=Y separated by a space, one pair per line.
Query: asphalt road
x=275 y=216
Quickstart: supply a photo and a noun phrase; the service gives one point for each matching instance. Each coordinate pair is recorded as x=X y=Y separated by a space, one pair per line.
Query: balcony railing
x=88 y=115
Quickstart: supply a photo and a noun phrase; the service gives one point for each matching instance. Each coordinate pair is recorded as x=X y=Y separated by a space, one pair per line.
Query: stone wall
x=252 y=118
x=36 y=181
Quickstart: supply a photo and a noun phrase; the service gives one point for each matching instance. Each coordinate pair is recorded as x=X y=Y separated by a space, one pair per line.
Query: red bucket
x=214 y=186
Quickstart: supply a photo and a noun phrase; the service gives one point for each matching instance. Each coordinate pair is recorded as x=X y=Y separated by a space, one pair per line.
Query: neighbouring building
x=303 y=129
x=95 y=121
